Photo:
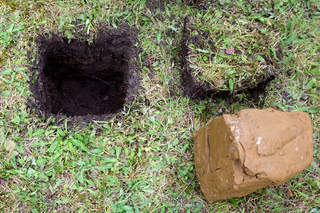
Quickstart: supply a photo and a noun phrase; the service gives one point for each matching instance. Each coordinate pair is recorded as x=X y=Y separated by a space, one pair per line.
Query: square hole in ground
x=75 y=78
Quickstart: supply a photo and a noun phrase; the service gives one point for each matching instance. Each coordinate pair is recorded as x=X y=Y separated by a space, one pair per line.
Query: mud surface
x=193 y=89
x=232 y=151
x=77 y=79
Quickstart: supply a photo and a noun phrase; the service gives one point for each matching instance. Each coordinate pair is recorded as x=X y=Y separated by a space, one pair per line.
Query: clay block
x=237 y=154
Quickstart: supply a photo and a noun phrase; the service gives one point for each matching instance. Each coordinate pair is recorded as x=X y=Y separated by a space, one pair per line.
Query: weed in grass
x=141 y=159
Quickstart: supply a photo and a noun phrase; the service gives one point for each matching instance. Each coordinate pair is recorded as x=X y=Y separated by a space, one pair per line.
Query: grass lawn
x=141 y=160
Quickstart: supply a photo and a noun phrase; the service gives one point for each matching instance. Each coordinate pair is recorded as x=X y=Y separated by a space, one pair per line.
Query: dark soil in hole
x=195 y=90
x=90 y=80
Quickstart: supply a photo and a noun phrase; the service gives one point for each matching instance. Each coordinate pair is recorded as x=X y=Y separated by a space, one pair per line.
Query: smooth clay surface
x=237 y=154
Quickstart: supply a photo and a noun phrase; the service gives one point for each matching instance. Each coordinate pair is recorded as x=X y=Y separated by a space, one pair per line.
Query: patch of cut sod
x=78 y=79
x=227 y=52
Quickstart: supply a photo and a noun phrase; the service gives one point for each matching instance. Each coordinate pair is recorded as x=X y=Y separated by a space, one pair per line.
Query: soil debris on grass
x=75 y=78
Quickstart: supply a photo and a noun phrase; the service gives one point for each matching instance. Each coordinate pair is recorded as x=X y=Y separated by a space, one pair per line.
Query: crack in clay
x=209 y=155
x=245 y=170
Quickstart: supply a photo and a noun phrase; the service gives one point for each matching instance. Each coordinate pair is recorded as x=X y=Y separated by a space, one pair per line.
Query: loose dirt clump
x=90 y=81
x=226 y=53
